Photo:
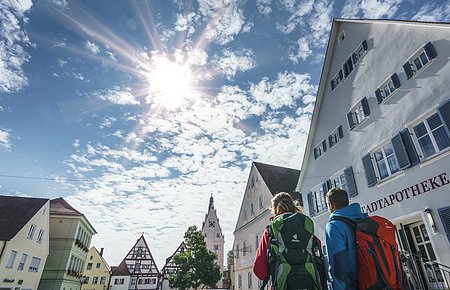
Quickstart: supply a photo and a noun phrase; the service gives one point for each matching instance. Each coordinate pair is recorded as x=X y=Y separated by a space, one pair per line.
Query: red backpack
x=379 y=263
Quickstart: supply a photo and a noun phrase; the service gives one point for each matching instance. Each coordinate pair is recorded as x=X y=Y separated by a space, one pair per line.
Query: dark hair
x=338 y=197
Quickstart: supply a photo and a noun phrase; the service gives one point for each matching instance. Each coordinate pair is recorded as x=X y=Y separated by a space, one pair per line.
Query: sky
x=136 y=112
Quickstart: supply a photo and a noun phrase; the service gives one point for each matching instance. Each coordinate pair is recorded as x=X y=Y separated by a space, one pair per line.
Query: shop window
x=388 y=88
x=420 y=60
x=358 y=113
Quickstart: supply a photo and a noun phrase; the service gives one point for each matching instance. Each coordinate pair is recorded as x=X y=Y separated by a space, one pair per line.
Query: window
x=91 y=257
x=360 y=52
x=337 y=79
x=317 y=197
x=12 y=258
x=118 y=281
x=386 y=161
x=144 y=266
x=320 y=149
x=40 y=235
x=432 y=135
x=237 y=251
x=89 y=266
x=97 y=265
x=133 y=281
x=341 y=37
x=212 y=223
x=244 y=248
x=22 y=262
x=250 y=282
x=256 y=241
x=31 y=231
x=358 y=113
x=347 y=67
x=261 y=201
x=335 y=136
x=245 y=214
x=95 y=280
x=103 y=280
x=216 y=247
x=252 y=209
x=421 y=59
x=217 y=235
x=388 y=88
x=86 y=280
x=34 y=265
x=240 y=281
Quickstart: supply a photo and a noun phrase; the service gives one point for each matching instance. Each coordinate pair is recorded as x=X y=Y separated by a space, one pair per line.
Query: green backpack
x=291 y=247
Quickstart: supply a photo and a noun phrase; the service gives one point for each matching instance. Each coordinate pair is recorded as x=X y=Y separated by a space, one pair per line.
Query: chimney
x=101 y=252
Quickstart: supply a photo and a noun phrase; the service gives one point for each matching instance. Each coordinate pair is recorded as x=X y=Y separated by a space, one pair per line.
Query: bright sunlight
x=170 y=83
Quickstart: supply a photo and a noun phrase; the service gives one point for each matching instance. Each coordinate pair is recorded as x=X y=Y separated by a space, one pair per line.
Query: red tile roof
x=59 y=206
x=15 y=212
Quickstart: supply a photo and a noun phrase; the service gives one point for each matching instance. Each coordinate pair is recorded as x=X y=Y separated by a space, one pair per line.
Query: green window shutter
x=351 y=123
x=400 y=152
x=444 y=112
x=350 y=178
x=430 y=51
x=444 y=214
x=395 y=80
x=408 y=70
x=365 y=106
x=409 y=147
x=311 y=204
x=369 y=171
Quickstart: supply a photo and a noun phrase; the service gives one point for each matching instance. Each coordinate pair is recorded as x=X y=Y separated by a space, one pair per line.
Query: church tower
x=213 y=233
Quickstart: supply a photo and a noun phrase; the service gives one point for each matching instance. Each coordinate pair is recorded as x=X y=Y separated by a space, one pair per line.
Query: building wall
x=22 y=244
x=65 y=263
x=249 y=229
x=390 y=45
x=115 y=285
x=93 y=273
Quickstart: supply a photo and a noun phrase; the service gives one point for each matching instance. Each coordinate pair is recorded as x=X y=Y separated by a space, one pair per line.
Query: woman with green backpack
x=288 y=247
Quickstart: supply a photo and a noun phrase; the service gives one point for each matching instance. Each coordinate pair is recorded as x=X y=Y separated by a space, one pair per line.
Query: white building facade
x=263 y=183
x=381 y=130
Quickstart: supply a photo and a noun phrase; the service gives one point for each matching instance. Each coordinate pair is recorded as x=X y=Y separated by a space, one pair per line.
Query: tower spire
x=211 y=202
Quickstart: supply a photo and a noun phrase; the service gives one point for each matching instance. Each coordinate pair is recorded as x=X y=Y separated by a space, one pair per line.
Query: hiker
x=340 y=240
x=285 y=249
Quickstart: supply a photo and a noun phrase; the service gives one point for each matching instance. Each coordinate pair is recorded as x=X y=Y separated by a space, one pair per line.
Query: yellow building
x=24 y=243
x=96 y=271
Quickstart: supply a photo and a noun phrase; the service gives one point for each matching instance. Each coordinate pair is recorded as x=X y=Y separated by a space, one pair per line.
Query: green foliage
x=197 y=265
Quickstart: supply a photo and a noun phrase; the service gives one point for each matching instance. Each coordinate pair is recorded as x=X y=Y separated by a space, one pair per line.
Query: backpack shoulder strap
x=345 y=220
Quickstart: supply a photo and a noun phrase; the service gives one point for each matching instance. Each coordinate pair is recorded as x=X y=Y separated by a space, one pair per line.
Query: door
x=424 y=248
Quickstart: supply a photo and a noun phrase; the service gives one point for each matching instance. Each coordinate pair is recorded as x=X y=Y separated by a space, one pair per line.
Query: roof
x=59 y=206
x=122 y=269
x=278 y=179
x=15 y=212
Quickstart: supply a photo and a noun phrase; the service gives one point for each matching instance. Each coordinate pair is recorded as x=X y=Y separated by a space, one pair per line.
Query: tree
x=197 y=265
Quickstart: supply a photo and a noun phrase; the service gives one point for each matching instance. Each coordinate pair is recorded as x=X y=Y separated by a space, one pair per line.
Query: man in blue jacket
x=340 y=239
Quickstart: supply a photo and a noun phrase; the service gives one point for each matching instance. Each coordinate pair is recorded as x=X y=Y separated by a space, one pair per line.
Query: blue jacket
x=341 y=248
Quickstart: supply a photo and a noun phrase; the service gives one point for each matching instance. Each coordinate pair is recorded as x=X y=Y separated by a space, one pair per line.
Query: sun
x=170 y=83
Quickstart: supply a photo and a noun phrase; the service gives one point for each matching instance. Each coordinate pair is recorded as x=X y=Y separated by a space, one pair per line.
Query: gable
x=170 y=267
x=15 y=212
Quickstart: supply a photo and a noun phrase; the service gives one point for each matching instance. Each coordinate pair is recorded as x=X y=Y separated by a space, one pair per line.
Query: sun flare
x=170 y=83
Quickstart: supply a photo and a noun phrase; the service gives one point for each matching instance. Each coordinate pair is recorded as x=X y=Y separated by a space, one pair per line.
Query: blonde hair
x=283 y=202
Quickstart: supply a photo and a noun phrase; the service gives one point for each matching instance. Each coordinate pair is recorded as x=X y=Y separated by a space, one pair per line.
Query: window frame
x=250 y=280
x=358 y=114
x=31 y=231
x=22 y=262
x=411 y=68
x=384 y=160
x=11 y=259
x=424 y=120
x=31 y=268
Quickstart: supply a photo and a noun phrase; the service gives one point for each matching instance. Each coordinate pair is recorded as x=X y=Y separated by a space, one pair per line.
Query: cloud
x=303 y=51
x=288 y=87
x=5 y=140
x=12 y=42
x=433 y=12
x=118 y=96
x=264 y=6
x=373 y=9
x=224 y=19
x=230 y=62
x=60 y=3
x=185 y=22
x=92 y=47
